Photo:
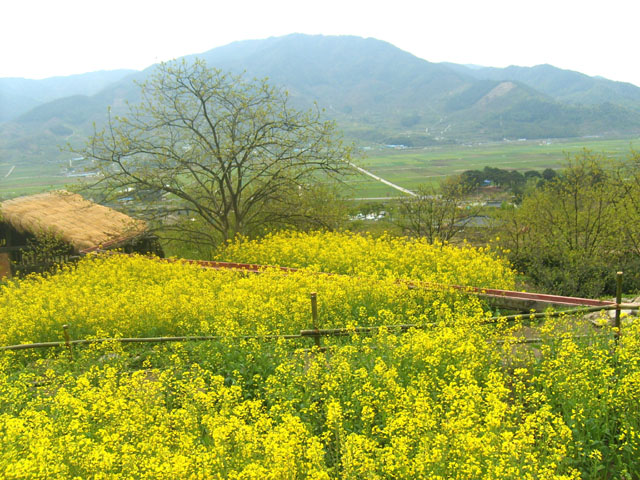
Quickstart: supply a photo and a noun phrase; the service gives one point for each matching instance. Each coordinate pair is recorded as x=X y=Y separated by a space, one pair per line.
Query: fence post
x=314 y=316
x=67 y=339
x=618 y=302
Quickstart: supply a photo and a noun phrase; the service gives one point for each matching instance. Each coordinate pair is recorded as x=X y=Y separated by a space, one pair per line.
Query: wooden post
x=67 y=339
x=5 y=266
x=618 y=302
x=314 y=316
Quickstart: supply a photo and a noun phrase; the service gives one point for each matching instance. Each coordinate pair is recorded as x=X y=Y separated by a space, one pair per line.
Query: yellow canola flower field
x=385 y=256
x=456 y=398
x=422 y=405
x=137 y=296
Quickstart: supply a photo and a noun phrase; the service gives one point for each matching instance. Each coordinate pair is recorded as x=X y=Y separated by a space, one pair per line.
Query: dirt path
x=380 y=179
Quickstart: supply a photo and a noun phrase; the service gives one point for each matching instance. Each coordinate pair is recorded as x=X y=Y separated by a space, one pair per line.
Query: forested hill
x=377 y=93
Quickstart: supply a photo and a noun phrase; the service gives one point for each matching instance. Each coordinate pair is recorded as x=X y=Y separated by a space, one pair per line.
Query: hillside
x=376 y=92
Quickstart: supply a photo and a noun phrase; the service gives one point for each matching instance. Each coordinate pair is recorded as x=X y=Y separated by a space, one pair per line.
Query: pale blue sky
x=49 y=38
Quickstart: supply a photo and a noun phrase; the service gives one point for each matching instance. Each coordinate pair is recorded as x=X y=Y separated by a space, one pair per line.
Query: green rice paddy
x=408 y=167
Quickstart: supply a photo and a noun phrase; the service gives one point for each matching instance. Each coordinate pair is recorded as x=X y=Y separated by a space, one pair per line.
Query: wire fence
x=584 y=305
x=317 y=333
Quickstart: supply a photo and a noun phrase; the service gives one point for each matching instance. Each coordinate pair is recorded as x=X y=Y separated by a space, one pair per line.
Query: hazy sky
x=62 y=37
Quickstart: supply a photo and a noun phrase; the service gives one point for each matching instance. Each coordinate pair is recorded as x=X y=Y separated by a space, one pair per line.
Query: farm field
x=457 y=397
x=407 y=168
x=411 y=167
x=29 y=179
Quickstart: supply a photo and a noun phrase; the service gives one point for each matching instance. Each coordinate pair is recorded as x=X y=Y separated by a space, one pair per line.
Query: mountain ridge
x=377 y=93
x=566 y=85
x=19 y=95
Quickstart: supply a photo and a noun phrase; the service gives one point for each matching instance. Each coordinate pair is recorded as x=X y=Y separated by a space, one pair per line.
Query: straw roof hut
x=82 y=224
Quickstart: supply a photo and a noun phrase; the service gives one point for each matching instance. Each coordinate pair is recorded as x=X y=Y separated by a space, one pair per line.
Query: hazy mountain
x=379 y=92
x=376 y=92
x=563 y=85
x=18 y=95
x=349 y=71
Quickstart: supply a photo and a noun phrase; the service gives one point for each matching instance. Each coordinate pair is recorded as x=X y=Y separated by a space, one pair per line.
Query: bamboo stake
x=314 y=317
x=28 y=346
x=558 y=313
x=349 y=331
x=67 y=339
x=542 y=340
x=618 y=301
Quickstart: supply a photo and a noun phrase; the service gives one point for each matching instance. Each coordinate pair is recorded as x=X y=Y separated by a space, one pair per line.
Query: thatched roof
x=79 y=222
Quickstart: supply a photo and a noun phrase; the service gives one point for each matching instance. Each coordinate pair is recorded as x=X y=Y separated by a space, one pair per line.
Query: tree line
x=511 y=179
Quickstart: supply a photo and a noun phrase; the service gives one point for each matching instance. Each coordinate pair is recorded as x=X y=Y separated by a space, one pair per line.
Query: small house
x=77 y=227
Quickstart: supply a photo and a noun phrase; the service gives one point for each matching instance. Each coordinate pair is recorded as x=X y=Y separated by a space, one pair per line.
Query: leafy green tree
x=472 y=178
x=215 y=155
x=627 y=179
x=565 y=235
x=549 y=174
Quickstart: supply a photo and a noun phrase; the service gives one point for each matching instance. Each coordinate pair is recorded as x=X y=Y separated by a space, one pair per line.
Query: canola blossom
x=137 y=296
x=454 y=398
x=385 y=256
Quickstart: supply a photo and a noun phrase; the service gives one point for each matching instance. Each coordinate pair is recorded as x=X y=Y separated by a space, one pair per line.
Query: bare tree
x=217 y=153
x=437 y=214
